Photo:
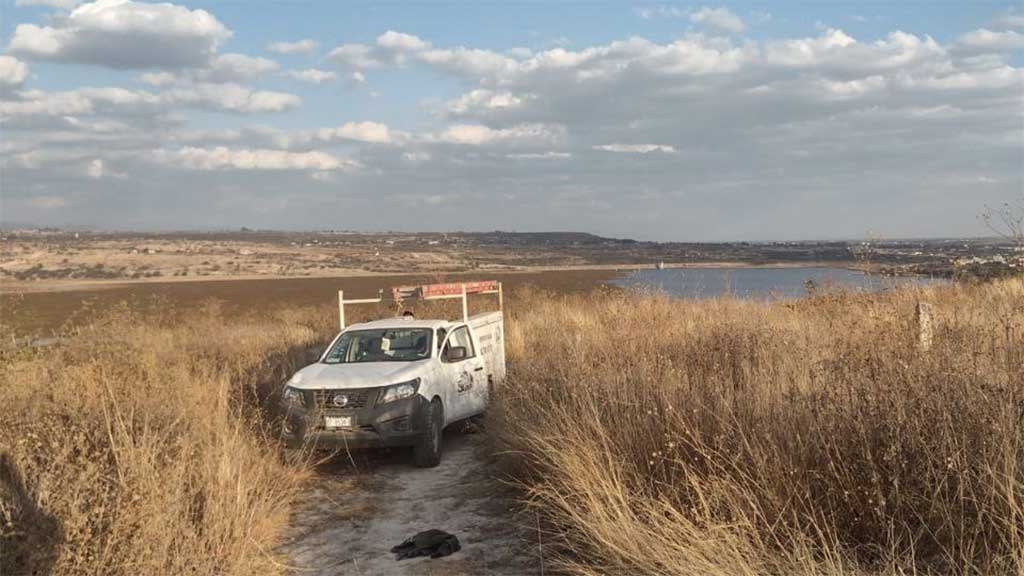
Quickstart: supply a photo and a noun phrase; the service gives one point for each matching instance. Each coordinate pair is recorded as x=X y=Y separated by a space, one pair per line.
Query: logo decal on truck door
x=465 y=381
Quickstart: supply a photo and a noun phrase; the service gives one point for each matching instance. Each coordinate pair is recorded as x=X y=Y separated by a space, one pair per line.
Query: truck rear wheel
x=295 y=456
x=427 y=452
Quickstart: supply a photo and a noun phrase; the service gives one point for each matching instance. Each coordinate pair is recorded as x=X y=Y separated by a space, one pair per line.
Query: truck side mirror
x=456 y=353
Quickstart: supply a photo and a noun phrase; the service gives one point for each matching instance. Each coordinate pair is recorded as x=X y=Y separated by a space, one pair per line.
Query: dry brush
x=659 y=436
x=140 y=446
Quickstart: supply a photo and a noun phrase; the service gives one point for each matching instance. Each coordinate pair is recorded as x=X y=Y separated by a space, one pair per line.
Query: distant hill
x=542 y=238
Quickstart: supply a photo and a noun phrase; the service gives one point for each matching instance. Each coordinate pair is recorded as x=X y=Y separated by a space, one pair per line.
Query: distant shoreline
x=12 y=287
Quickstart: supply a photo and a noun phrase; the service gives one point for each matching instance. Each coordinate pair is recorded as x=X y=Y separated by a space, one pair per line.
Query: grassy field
x=657 y=436
x=141 y=446
x=650 y=436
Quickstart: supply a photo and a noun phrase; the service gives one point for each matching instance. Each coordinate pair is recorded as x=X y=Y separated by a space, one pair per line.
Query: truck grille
x=356 y=399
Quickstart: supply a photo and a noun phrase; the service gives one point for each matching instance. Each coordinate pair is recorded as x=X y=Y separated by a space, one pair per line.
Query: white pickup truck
x=398 y=381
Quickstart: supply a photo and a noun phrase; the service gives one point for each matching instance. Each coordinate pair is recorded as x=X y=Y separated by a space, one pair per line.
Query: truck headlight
x=292 y=395
x=399 y=391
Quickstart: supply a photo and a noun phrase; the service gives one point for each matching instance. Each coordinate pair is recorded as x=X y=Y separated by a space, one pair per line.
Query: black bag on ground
x=433 y=543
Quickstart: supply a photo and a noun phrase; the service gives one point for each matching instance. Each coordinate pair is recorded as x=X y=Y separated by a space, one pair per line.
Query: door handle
x=478 y=369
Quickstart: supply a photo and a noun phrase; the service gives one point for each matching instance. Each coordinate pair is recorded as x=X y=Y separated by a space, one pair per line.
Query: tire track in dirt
x=351 y=520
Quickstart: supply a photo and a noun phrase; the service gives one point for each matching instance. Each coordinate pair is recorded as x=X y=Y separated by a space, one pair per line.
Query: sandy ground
x=347 y=527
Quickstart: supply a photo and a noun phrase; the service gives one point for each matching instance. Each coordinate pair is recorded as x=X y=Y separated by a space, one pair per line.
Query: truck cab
x=395 y=382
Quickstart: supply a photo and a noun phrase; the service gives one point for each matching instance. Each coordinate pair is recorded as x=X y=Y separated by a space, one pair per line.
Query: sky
x=656 y=121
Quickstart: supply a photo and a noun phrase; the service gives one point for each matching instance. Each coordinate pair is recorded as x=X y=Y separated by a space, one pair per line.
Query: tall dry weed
x=139 y=446
x=661 y=436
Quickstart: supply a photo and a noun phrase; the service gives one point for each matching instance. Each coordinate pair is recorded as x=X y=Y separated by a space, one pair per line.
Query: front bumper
x=398 y=423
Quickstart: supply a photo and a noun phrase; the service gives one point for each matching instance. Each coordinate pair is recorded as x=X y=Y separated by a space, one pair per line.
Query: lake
x=767 y=283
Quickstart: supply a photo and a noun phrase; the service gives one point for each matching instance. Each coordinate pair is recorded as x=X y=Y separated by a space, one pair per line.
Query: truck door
x=465 y=375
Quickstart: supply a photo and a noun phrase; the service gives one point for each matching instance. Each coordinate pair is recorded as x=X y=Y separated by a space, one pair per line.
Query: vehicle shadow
x=30 y=537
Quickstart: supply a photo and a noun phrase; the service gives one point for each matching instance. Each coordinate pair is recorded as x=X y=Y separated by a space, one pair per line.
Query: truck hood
x=355 y=375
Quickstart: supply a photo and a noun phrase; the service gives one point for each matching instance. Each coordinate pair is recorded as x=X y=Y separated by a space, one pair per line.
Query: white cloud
x=124 y=34
x=1010 y=20
x=479 y=135
x=233 y=98
x=721 y=18
x=88 y=101
x=304 y=46
x=486 y=99
x=365 y=132
x=221 y=68
x=635 y=148
x=371 y=132
x=835 y=51
x=401 y=42
x=12 y=71
x=313 y=75
x=519 y=52
x=60 y=4
x=158 y=79
x=851 y=88
x=689 y=55
x=223 y=158
x=466 y=60
x=72 y=102
x=396 y=48
x=807 y=51
x=235 y=68
x=416 y=157
x=549 y=155
x=985 y=39
x=97 y=169
x=661 y=11
x=358 y=56
x=787 y=127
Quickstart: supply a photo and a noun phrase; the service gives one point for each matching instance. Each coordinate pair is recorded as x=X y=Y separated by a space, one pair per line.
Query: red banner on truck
x=428 y=291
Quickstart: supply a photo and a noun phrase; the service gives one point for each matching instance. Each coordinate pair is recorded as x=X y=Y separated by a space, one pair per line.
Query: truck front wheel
x=427 y=452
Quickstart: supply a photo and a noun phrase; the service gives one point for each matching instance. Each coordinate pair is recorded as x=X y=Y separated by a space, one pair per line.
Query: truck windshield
x=388 y=345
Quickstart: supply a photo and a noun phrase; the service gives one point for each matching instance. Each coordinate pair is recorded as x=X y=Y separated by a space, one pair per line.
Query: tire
x=471 y=425
x=427 y=452
x=295 y=457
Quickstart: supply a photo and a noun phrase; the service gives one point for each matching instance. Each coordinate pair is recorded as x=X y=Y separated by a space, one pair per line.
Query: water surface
x=767 y=283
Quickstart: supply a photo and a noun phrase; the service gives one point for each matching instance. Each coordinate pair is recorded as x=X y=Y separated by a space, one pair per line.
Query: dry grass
x=656 y=436
x=653 y=436
x=145 y=442
x=138 y=447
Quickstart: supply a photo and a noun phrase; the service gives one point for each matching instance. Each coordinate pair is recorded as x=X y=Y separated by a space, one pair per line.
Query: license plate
x=337 y=421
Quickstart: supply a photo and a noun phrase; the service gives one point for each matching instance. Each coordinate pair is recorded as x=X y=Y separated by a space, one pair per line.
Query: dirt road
x=352 y=519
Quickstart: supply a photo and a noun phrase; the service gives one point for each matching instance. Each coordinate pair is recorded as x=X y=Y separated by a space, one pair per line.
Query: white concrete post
x=925 y=331
x=341 y=309
x=465 y=305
